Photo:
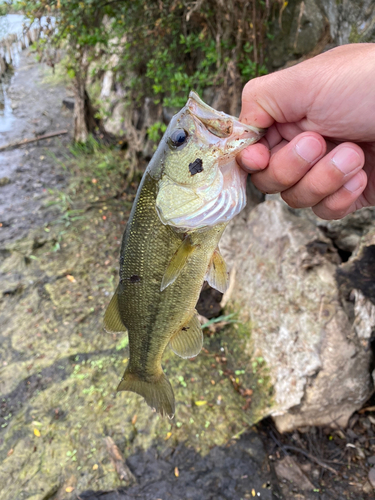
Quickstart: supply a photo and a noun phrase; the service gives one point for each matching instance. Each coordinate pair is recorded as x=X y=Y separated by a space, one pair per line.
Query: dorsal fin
x=217 y=275
x=177 y=262
x=188 y=341
x=112 y=320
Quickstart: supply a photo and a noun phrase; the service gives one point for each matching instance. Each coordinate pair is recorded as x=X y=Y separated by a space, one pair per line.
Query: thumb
x=284 y=97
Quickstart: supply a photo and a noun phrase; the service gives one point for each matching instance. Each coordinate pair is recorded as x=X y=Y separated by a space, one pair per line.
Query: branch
x=34 y=139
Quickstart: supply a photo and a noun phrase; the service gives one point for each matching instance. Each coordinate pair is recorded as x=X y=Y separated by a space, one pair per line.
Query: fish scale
x=164 y=260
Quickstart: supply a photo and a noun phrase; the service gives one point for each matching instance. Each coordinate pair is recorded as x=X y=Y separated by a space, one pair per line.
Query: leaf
x=200 y=403
x=69 y=489
x=226 y=318
x=37 y=432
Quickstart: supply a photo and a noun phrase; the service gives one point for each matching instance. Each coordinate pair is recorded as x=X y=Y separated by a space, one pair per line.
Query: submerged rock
x=286 y=288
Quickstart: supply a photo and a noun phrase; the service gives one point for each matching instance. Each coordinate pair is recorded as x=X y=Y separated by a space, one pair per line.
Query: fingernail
x=354 y=183
x=309 y=148
x=347 y=160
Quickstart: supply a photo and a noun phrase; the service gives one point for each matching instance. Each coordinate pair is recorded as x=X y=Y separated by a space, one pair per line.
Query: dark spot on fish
x=185 y=328
x=134 y=278
x=196 y=167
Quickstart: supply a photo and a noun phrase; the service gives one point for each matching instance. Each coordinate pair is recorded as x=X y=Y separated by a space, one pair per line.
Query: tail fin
x=159 y=395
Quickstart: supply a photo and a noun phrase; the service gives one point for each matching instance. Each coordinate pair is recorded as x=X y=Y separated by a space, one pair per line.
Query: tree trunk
x=84 y=119
x=81 y=131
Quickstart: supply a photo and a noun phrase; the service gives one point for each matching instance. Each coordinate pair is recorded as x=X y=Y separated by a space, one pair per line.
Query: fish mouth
x=222 y=125
x=220 y=199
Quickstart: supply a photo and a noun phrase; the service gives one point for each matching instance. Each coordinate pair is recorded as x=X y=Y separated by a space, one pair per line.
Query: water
x=9 y=25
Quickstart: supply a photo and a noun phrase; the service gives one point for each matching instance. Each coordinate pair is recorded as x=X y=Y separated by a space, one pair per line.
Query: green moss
x=354 y=36
x=60 y=370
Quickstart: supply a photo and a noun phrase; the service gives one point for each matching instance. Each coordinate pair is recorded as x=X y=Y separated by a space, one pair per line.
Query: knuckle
x=282 y=178
x=292 y=200
x=330 y=209
x=317 y=190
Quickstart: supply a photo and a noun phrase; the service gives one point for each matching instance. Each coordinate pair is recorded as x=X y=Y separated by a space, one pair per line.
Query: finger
x=289 y=162
x=284 y=96
x=273 y=136
x=326 y=177
x=344 y=201
x=255 y=157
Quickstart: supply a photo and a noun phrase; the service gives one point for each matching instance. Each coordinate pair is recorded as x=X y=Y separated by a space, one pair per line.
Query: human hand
x=319 y=150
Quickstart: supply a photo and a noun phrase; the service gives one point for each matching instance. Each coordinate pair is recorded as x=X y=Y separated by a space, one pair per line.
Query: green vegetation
x=159 y=49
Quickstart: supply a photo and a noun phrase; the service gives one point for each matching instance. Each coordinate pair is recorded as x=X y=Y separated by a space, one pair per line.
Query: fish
x=189 y=192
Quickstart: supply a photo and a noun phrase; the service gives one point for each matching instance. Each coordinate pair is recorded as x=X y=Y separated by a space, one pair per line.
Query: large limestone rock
x=284 y=271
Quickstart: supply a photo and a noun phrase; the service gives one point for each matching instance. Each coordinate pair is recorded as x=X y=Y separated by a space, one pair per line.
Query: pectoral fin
x=177 y=262
x=188 y=341
x=112 y=320
x=217 y=275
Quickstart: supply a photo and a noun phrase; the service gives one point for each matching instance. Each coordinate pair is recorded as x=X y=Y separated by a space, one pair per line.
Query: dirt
x=62 y=219
x=31 y=108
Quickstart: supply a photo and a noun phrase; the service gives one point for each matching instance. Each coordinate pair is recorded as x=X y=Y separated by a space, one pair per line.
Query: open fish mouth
x=219 y=138
x=221 y=124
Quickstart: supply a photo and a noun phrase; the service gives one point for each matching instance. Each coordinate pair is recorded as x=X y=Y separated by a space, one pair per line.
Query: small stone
x=367 y=488
x=371 y=460
x=288 y=469
x=371 y=477
x=4 y=181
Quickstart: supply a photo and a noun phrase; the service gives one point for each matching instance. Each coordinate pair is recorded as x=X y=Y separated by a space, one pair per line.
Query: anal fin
x=188 y=341
x=112 y=320
x=217 y=275
x=177 y=262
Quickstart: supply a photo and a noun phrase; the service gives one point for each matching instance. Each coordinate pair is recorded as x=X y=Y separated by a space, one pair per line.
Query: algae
x=59 y=369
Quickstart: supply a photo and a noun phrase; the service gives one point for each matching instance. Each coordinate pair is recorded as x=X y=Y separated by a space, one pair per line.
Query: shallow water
x=10 y=24
x=6 y=112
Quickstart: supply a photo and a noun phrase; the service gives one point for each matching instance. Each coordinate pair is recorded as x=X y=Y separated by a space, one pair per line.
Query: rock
x=289 y=470
x=371 y=477
x=346 y=233
x=367 y=488
x=307 y=28
x=350 y=21
x=4 y=181
x=286 y=289
x=107 y=84
x=356 y=279
x=68 y=103
x=115 y=123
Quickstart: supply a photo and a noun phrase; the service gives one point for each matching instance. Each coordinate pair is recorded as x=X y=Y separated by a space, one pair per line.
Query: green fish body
x=189 y=192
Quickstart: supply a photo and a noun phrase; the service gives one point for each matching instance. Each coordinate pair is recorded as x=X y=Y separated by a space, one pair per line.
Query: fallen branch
x=121 y=468
x=34 y=139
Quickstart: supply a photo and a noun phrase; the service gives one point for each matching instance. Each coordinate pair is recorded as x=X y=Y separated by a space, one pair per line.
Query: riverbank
x=31 y=107
x=63 y=212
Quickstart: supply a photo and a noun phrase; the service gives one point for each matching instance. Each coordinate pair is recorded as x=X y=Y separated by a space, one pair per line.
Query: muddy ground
x=62 y=214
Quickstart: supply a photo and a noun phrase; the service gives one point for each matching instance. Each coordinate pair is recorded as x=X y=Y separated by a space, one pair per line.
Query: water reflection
x=6 y=112
x=11 y=24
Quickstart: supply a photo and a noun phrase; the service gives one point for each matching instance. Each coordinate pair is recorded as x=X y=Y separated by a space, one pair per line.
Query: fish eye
x=178 y=138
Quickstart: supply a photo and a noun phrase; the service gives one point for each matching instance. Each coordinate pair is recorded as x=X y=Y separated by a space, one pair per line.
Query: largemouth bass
x=189 y=192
